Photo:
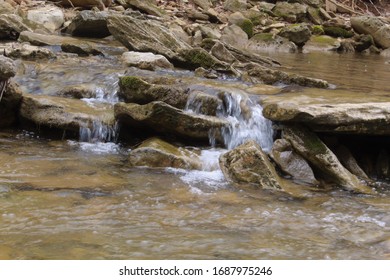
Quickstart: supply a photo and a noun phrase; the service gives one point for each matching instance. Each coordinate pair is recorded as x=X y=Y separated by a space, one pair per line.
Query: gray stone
x=310 y=146
x=28 y=52
x=167 y=119
x=348 y=161
x=10 y=98
x=146 y=60
x=78 y=91
x=80 y=48
x=322 y=43
x=89 y=24
x=204 y=4
x=292 y=12
x=292 y=163
x=50 y=17
x=155 y=152
x=222 y=53
x=235 y=5
x=298 y=34
x=268 y=41
x=146 y=6
x=101 y=4
x=7 y=68
x=203 y=103
x=249 y=164
x=374 y=26
x=235 y=36
x=11 y=26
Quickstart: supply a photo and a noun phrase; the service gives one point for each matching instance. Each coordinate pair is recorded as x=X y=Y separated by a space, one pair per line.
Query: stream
x=78 y=199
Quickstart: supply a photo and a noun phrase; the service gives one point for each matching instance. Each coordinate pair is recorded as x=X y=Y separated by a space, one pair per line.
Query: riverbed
x=71 y=199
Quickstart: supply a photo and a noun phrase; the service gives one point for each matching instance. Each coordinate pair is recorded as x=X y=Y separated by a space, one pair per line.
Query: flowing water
x=67 y=199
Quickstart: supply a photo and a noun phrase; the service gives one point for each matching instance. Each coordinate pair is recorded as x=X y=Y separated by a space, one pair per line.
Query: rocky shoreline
x=214 y=40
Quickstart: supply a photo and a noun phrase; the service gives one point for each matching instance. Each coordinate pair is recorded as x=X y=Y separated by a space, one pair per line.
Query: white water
x=99 y=132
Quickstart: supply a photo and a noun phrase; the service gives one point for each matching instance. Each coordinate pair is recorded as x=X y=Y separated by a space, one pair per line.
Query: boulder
x=203 y=103
x=204 y=4
x=321 y=43
x=222 y=53
x=198 y=57
x=354 y=118
x=268 y=41
x=291 y=12
x=210 y=32
x=244 y=23
x=135 y=90
x=146 y=36
x=7 y=68
x=146 y=6
x=101 y=4
x=28 y=52
x=292 y=163
x=167 y=119
x=374 y=26
x=310 y=146
x=148 y=60
x=80 y=48
x=10 y=98
x=269 y=76
x=89 y=24
x=50 y=17
x=235 y=5
x=11 y=26
x=155 y=152
x=249 y=164
x=62 y=113
x=299 y=34
x=235 y=36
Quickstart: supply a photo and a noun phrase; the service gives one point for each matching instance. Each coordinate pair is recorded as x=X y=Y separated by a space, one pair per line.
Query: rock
x=374 y=26
x=299 y=34
x=78 y=91
x=10 y=98
x=244 y=23
x=309 y=146
x=11 y=26
x=46 y=40
x=198 y=57
x=147 y=60
x=209 y=32
x=155 y=152
x=167 y=119
x=291 y=12
x=203 y=103
x=222 y=53
x=314 y=15
x=353 y=118
x=382 y=165
x=267 y=41
x=292 y=163
x=62 y=113
x=89 y=24
x=197 y=15
x=146 y=6
x=50 y=17
x=348 y=161
x=7 y=68
x=270 y=76
x=235 y=36
x=135 y=90
x=321 y=43
x=204 y=4
x=363 y=42
x=235 y=5
x=386 y=53
x=101 y=4
x=249 y=164
x=338 y=32
x=28 y=52
x=146 y=36
x=80 y=48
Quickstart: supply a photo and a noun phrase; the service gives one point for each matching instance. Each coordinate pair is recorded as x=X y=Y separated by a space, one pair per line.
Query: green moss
x=312 y=142
x=247 y=26
x=198 y=57
x=318 y=30
x=264 y=37
x=133 y=83
x=335 y=31
x=323 y=40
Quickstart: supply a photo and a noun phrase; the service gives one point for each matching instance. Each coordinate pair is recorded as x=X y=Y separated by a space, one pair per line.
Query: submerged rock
x=78 y=91
x=62 y=113
x=135 y=90
x=155 y=152
x=310 y=146
x=292 y=163
x=167 y=119
x=249 y=164
x=80 y=48
x=148 y=60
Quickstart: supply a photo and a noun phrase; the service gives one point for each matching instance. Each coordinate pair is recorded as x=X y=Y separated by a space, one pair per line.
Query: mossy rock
x=337 y=32
x=133 y=83
x=264 y=37
x=317 y=30
x=198 y=57
x=247 y=26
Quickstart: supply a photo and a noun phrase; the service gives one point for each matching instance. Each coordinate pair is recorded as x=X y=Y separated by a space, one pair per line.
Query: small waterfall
x=245 y=117
x=99 y=132
x=246 y=121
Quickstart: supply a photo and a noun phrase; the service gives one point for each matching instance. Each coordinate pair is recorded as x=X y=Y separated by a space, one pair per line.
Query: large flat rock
x=332 y=113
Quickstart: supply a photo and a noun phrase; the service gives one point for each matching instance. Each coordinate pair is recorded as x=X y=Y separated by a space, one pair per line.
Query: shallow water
x=78 y=200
